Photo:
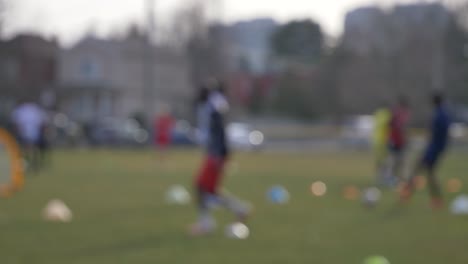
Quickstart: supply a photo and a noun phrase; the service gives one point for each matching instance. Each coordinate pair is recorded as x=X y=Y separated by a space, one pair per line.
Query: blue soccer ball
x=278 y=195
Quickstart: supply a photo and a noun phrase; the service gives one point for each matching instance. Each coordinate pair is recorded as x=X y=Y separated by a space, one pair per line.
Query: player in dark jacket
x=438 y=142
x=212 y=107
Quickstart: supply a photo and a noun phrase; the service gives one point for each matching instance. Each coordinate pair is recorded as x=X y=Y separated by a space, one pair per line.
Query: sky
x=70 y=19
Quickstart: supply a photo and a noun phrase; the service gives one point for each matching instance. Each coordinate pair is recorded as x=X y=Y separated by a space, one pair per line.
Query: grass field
x=120 y=215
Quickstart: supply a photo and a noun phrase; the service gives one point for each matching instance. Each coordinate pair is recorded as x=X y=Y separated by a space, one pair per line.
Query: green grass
x=120 y=215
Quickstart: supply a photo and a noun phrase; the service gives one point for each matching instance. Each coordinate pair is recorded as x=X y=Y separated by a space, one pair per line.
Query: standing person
x=398 y=138
x=163 y=125
x=212 y=107
x=30 y=120
x=438 y=141
x=380 y=136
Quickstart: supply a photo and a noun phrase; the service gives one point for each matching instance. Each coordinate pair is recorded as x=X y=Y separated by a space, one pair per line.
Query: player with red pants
x=211 y=108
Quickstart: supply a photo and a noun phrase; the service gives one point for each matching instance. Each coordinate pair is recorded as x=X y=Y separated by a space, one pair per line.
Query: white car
x=357 y=131
x=241 y=136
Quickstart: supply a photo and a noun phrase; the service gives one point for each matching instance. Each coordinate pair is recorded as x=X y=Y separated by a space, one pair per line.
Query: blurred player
x=440 y=128
x=398 y=138
x=380 y=142
x=30 y=121
x=212 y=107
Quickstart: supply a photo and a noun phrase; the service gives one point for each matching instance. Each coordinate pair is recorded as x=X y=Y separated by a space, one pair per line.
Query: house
x=121 y=78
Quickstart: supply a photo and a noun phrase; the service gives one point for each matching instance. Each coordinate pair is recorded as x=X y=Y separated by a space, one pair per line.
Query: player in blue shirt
x=439 y=139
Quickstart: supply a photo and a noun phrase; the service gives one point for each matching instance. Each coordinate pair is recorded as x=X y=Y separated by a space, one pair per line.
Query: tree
x=456 y=52
x=293 y=95
x=2 y=15
x=396 y=54
x=300 y=41
x=203 y=42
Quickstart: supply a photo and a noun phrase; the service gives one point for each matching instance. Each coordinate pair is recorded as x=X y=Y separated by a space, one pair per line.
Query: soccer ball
x=460 y=205
x=177 y=194
x=237 y=231
x=278 y=194
x=57 y=211
x=371 y=196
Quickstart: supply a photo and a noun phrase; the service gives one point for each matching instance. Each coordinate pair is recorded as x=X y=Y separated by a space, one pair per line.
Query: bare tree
x=6 y=6
x=201 y=39
x=188 y=22
x=2 y=15
x=462 y=14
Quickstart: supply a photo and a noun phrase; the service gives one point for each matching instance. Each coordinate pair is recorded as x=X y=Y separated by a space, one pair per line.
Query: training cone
x=351 y=193
x=57 y=211
x=454 y=185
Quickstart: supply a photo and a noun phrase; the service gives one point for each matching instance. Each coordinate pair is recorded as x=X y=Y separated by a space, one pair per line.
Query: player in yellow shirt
x=380 y=137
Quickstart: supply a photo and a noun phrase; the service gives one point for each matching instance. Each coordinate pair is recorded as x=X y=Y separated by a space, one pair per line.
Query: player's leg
x=36 y=156
x=205 y=222
x=380 y=163
x=408 y=187
x=44 y=150
x=433 y=183
x=204 y=190
x=398 y=165
x=214 y=196
x=28 y=153
x=434 y=189
x=240 y=209
x=391 y=167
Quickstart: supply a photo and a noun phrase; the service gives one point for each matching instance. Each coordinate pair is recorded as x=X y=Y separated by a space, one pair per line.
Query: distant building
x=399 y=51
x=28 y=65
x=371 y=29
x=248 y=45
x=122 y=78
x=247 y=51
x=364 y=30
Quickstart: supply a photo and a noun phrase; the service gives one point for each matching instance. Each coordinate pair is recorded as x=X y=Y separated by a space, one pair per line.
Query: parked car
x=63 y=131
x=242 y=136
x=117 y=132
x=357 y=131
x=182 y=134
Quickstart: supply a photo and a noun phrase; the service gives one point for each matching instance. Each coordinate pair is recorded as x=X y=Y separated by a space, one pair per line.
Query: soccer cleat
x=244 y=214
x=205 y=226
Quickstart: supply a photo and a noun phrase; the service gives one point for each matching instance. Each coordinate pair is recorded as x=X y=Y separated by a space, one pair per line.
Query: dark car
x=117 y=132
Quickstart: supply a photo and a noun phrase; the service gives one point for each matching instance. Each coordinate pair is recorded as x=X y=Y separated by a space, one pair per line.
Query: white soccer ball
x=237 y=231
x=57 y=211
x=371 y=196
x=460 y=205
x=177 y=194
